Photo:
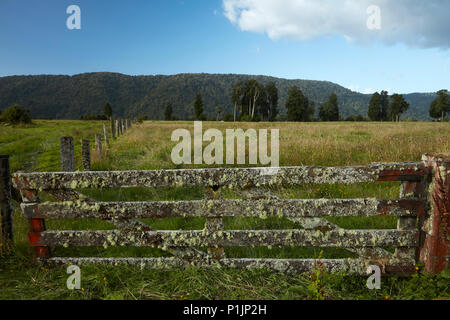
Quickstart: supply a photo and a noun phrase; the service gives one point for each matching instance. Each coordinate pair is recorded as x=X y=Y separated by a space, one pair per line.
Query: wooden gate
x=411 y=208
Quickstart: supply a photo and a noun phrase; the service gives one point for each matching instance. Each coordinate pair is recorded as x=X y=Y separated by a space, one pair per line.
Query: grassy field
x=148 y=146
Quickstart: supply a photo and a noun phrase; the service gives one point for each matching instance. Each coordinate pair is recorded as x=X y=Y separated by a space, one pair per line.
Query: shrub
x=16 y=115
x=142 y=118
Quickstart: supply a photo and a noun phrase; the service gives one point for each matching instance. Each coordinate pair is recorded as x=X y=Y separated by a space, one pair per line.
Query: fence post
x=36 y=226
x=411 y=190
x=67 y=154
x=98 y=143
x=5 y=202
x=117 y=127
x=435 y=250
x=86 y=154
x=105 y=133
x=113 y=128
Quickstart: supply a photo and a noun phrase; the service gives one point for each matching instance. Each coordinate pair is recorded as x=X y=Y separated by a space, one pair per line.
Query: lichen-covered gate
x=411 y=209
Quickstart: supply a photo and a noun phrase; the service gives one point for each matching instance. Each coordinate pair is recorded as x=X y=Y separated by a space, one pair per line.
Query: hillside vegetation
x=70 y=97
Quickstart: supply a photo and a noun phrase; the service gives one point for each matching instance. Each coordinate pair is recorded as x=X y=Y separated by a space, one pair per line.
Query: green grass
x=148 y=146
x=36 y=147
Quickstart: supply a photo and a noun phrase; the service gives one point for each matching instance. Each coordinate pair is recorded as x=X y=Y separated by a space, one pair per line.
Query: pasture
x=148 y=146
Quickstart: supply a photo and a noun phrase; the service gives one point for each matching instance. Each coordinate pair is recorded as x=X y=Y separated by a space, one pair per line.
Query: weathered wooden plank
x=214 y=223
x=347 y=266
x=334 y=238
x=263 y=208
x=230 y=177
x=124 y=223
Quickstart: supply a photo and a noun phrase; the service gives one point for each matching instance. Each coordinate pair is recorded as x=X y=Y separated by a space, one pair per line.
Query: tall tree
x=397 y=107
x=324 y=112
x=219 y=110
x=384 y=97
x=297 y=105
x=440 y=106
x=329 y=111
x=236 y=97
x=198 y=107
x=168 y=112
x=334 y=107
x=375 y=112
x=272 y=97
x=310 y=111
x=107 y=110
x=252 y=96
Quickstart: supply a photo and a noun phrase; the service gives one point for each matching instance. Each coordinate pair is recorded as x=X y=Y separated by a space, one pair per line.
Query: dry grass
x=148 y=146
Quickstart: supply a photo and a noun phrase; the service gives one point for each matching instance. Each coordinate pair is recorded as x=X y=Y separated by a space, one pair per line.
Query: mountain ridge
x=70 y=96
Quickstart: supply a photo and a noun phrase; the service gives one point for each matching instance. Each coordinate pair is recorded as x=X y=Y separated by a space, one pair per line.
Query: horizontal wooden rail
x=347 y=266
x=232 y=177
x=334 y=238
x=422 y=224
x=287 y=208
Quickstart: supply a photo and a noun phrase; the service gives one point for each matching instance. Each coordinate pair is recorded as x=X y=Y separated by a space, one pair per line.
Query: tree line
x=385 y=108
x=254 y=101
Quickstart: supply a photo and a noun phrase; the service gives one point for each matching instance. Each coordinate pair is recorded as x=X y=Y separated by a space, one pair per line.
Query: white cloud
x=357 y=88
x=417 y=23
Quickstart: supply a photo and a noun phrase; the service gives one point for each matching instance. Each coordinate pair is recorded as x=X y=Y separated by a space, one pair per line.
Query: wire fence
x=49 y=160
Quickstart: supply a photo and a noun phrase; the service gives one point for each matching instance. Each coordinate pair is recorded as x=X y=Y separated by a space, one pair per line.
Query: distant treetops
x=385 y=108
x=440 y=106
x=107 y=114
x=254 y=101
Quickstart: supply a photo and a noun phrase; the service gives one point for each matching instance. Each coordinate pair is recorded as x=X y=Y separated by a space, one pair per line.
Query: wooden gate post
x=113 y=128
x=435 y=251
x=67 y=154
x=105 y=133
x=5 y=202
x=36 y=226
x=86 y=154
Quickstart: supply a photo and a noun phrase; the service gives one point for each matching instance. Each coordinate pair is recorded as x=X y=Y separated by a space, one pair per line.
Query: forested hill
x=69 y=97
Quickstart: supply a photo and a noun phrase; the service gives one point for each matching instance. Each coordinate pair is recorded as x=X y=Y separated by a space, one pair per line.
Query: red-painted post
x=435 y=251
x=36 y=226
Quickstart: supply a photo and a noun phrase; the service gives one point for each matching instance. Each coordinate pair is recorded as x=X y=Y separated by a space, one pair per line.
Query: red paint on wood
x=436 y=249
x=35 y=239
x=36 y=227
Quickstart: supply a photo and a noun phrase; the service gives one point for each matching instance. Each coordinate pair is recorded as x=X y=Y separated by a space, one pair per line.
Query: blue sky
x=168 y=37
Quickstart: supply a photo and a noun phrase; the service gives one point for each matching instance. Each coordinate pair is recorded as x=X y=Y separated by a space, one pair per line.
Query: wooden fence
x=422 y=211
